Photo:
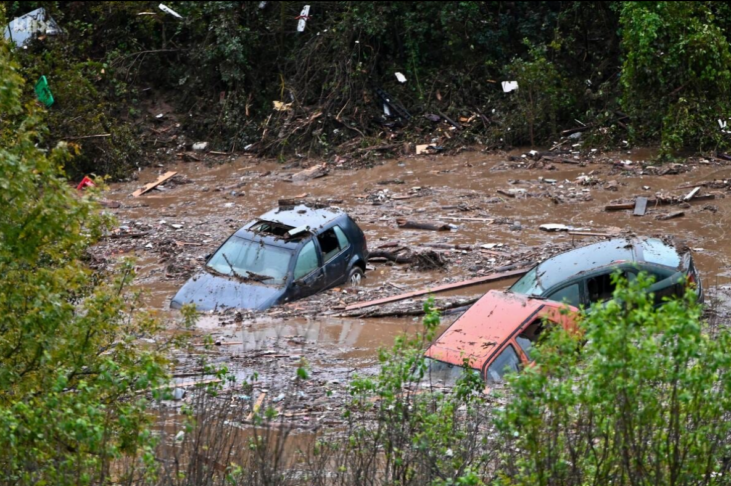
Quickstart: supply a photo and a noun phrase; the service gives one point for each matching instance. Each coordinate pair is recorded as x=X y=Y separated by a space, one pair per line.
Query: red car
x=496 y=334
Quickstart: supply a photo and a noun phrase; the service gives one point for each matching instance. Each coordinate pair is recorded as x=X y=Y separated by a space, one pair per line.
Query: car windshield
x=528 y=284
x=441 y=373
x=252 y=261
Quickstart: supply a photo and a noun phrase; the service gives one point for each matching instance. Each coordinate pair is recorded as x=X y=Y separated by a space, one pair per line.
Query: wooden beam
x=591 y=233
x=152 y=185
x=618 y=207
x=442 y=288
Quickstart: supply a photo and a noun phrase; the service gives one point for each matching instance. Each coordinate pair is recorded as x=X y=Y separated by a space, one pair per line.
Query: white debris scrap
x=22 y=29
x=170 y=11
x=554 y=227
x=401 y=78
x=509 y=86
x=303 y=17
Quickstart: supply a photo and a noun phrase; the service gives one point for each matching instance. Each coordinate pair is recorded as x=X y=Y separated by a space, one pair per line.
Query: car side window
x=506 y=362
x=567 y=295
x=329 y=244
x=306 y=261
x=342 y=239
x=600 y=288
x=530 y=336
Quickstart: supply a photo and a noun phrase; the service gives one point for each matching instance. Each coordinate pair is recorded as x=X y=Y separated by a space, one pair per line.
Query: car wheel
x=355 y=276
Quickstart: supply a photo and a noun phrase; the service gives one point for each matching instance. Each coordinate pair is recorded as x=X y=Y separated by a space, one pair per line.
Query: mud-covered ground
x=495 y=203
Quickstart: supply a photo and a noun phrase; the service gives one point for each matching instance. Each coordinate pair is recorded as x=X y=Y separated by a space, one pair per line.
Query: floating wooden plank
x=314 y=172
x=660 y=202
x=591 y=233
x=441 y=288
x=152 y=185
x=691 y=194
x=185 y=384
x=691 y=185
x=676 y=214
x=257 y=405
x=619 y=207
x=406 y=224
x=640 y=206
x=480 y=220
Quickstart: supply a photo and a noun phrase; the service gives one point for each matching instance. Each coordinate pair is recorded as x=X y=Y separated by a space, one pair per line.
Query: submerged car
x=583 y=276
x=286 y=254
x=497 y=333
x=496 y=336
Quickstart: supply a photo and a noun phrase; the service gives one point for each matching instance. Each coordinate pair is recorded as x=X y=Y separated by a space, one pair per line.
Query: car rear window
x=342 y=239
x=252 y=261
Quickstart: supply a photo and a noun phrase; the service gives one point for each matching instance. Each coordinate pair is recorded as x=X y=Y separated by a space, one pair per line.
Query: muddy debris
x=496 y=232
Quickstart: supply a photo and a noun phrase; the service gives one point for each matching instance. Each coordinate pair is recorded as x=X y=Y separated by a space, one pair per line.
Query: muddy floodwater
x=496 y=206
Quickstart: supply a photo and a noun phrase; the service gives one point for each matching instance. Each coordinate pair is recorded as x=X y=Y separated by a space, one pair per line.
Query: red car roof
x=489 y=323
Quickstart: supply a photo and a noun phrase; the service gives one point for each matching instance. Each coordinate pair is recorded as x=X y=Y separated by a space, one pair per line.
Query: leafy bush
x=71 y=362
x=646 y=401
x=676 y=74
x=541 y=96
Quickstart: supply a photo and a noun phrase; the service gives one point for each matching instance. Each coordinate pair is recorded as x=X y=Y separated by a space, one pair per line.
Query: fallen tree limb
x=416 y=309
x=392 y=256
x=441 y=288
x=406 y=224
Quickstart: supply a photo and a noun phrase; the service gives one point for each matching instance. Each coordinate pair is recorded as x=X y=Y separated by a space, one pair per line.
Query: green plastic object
x=43 y=91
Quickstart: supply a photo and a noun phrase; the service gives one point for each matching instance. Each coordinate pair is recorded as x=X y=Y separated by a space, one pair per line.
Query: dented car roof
x=291 y=217
x=302 y=215
x=489 y=323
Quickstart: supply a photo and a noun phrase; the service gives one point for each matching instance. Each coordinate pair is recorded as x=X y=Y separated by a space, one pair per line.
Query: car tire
x=355 y=276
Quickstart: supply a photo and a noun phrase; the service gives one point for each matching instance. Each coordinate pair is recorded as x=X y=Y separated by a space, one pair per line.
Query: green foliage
x=71 y=363
x=676 y=74
x=644 y=402
x=540 y=97
x=425 y=436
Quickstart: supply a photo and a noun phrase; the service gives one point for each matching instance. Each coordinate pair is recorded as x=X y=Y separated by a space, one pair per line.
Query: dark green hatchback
x=583 y=276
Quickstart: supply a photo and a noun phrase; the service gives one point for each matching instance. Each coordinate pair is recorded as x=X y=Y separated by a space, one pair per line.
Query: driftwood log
x=406 y=224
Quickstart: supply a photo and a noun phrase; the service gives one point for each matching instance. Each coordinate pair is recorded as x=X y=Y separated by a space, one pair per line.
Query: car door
x=336 y=250
x=308 y=273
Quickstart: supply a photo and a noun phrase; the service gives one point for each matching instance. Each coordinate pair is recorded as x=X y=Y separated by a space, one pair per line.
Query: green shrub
x=676 y=74
x=72 y=367
x=645 y=401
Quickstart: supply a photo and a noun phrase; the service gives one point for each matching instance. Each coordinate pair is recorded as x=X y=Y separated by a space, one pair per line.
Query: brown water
x=470 y=178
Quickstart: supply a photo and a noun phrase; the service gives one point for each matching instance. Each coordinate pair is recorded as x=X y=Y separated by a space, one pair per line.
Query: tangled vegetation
x=642 y=72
